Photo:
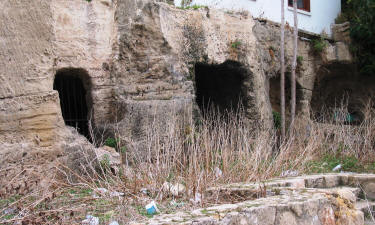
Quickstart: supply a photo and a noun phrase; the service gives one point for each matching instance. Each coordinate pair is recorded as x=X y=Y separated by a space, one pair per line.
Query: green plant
x=299 y=60
x=276 y=119
x=111 y=142
x=361 y=15
x=123 y=149
x=330 y=161
x=319 y=44
x=235 y=44
x=195 y=7
x=350 y=163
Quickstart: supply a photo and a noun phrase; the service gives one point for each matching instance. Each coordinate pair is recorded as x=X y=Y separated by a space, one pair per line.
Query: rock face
x=138 y=60
x=38 y=39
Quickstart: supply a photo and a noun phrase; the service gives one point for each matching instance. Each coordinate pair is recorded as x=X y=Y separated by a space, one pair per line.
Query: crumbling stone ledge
x=315 y=199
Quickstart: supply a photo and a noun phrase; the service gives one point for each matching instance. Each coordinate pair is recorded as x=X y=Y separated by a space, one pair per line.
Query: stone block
x=369 y=189
x=341 y=32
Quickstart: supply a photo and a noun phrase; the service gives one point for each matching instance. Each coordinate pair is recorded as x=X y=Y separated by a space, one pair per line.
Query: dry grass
x=181 y=150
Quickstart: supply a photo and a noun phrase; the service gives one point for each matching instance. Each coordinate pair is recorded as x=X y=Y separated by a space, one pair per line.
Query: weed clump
x=319 y=45
x=194 y=7
x=235 y=44
x=111 y=142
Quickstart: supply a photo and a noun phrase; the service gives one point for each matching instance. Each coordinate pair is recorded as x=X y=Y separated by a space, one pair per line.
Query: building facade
x=315 y=16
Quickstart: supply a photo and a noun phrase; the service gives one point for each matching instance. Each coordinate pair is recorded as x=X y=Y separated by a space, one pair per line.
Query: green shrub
x=123 y=149
x=235 y=44
x=111 y=142
x=319 y=45
x=276 y=119
x=361 y=15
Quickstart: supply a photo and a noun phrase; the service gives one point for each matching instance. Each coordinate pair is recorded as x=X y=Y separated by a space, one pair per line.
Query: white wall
x=322 y=12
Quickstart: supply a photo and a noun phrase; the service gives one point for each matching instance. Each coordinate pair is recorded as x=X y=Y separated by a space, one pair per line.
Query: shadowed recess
x=341 y=94
x=70 y=83
x=220 y=86
x=274 y=93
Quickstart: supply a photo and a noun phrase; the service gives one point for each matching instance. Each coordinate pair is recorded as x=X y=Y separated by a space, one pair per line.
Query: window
x=301 y=4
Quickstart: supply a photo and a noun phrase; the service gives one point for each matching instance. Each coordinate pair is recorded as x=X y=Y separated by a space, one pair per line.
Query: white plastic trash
x=197 y=199
x=218 y=172
x=337 y=168
x=91 y=220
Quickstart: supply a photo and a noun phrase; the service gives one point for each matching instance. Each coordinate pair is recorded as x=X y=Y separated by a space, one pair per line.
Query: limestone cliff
x=137 y=59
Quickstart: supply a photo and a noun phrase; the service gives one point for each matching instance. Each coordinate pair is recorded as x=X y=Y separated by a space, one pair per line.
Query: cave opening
x=274 y=94
x=73 y=86
x=341 y=95
x=221 y=87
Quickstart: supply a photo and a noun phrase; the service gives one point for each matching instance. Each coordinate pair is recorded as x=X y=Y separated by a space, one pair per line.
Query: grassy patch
x=195 y=7
x=348 y=163
x=142 y=211
x=6 y=201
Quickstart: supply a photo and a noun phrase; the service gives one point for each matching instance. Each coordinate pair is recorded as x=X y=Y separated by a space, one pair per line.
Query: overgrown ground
x=197 y=155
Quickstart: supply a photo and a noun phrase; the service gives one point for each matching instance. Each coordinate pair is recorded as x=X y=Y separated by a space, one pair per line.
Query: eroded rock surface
x=138 y=56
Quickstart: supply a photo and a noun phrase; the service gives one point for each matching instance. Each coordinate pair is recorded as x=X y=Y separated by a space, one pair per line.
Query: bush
x=111 y=142
x=276 y=119
x=361 y=15
x=319 y=44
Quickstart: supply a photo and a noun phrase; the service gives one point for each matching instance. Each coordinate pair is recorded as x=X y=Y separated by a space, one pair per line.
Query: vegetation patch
x=194 y=7
x=361 y=15
x=236 y=44
x=349 y=163
x=319 y=45
x=111 y=142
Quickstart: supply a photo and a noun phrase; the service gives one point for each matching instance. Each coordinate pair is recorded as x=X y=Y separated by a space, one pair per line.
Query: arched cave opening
x=274 y=94
x=221 y=87
x=73 y=86
x=341 y=95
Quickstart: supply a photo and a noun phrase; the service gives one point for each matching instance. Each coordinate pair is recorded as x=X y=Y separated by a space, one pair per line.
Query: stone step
x=297 y=200
x=367 y=207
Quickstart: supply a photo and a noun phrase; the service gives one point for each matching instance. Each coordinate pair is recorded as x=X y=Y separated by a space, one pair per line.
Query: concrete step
x=367 y=207
x=369 y=222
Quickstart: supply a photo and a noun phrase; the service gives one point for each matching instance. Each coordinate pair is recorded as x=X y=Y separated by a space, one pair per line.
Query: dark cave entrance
x=221 y=87
x=73 y=87
x=341 y=95
x=274 y=94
